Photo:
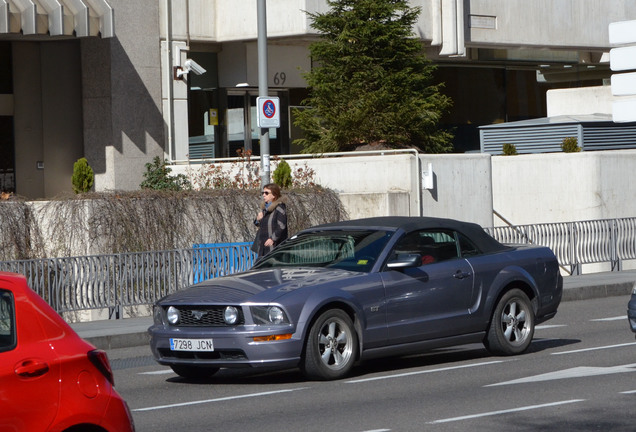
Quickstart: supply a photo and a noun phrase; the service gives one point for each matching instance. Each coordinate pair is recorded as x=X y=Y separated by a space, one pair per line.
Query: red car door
x=29 y=369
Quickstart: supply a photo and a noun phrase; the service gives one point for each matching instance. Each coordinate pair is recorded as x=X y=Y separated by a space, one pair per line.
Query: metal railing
x=576 y=243
x=118 y=281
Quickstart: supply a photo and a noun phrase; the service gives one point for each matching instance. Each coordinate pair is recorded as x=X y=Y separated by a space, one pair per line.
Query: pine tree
x=372 y=83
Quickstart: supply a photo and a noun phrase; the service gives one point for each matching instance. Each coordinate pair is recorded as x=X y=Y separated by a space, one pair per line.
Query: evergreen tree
x=372 y=83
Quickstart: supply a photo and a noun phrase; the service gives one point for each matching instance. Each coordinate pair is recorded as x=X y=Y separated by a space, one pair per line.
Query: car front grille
x=205 y=316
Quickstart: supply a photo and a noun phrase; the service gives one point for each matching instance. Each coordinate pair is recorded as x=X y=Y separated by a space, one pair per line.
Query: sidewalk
x=131 y=332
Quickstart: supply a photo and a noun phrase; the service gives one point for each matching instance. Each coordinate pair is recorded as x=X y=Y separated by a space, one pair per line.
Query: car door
x=29 y=372
x=432 y=300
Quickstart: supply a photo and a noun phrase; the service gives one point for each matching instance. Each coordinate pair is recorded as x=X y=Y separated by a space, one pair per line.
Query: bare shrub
x=116 y=222
x=20 y=236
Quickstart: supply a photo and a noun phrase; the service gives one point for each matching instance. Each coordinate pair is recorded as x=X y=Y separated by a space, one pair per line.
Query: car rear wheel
x=512 y=324
x=331 y=347
x=194 y=372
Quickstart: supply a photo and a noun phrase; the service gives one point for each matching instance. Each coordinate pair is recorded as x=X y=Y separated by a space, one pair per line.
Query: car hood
x=255 y=285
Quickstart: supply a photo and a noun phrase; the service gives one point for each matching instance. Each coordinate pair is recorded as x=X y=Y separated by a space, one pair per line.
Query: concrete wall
x=580 y=101
x=386 y=184
x=121 y=91
x=462 y=187
x=564 y=187
x=28 y=119
x=524 y=189
x=516 y=23
x=545 y=23
x=47 y=116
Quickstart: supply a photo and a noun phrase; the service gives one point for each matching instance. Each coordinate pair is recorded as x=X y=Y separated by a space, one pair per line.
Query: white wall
x=580 y=24
x=564 y=187
x=524 y=189
x=385 y=183
x=579 y=101
x=547 y=23
x=462 y=187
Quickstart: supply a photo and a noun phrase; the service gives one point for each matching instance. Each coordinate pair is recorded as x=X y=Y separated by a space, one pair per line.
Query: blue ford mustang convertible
x=340 y=293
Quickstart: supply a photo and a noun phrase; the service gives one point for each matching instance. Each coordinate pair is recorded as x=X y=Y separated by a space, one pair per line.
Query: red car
x=50 y=378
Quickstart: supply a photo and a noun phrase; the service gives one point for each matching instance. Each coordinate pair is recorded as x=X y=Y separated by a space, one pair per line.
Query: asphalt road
x=579 y=375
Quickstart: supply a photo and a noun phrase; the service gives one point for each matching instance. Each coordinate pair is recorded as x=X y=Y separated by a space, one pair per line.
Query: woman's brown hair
x=274 y=189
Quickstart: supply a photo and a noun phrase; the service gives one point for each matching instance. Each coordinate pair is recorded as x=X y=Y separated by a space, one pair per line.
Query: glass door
x=242 y=123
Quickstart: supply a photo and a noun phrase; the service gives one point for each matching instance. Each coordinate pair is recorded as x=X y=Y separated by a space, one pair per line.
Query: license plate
x=191 y=345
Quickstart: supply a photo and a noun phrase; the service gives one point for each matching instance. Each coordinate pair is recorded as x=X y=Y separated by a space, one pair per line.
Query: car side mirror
x=401 y=261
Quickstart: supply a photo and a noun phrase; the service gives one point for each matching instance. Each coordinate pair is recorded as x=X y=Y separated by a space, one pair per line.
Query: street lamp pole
x=262 y=87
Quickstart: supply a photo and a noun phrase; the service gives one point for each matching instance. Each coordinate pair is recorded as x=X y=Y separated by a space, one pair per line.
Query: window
x=467 y=247
x=432 y=245
x=355 y=250
x=7 y=321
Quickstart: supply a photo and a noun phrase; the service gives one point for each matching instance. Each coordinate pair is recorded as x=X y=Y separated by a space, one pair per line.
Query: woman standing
x=271 y=221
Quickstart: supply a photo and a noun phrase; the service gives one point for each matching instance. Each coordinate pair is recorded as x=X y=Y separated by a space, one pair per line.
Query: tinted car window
x=7 y=321
x=355 y=250
x=432 y=245
x=467 y=247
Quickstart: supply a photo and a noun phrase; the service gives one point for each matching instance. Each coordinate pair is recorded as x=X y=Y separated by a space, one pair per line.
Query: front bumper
x=631 y=312
x=234 y=347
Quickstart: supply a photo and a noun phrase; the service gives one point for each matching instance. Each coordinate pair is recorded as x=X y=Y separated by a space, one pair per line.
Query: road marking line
x=576 y=372
x=629 y=392
x=424 y=372
x=593 y=349
x=617 y=318
x=493 y=413
x=222 y=399
x=159 y=372
x=548 y=326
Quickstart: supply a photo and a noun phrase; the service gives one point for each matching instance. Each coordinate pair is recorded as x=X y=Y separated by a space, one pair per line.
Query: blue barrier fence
x=212 y=260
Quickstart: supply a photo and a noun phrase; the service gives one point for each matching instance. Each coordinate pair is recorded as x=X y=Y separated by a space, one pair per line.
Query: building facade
x=105 y=79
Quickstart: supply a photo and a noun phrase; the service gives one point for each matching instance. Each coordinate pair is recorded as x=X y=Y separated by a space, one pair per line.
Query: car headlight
x=230 y=315
x=634 y=291
x=173 y=315
x=275 y=315
x=267 y=315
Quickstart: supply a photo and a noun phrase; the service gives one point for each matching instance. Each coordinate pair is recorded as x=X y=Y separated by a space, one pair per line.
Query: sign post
x=262 y=88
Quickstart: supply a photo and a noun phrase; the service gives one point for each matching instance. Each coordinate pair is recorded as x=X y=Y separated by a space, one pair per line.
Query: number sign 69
x=279 y=78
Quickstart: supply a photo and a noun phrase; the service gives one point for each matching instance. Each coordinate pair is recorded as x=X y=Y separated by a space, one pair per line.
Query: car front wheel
x=331 y=347
x=512 y=324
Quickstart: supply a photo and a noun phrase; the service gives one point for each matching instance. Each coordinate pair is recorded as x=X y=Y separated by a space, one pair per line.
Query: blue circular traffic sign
x=269 y=109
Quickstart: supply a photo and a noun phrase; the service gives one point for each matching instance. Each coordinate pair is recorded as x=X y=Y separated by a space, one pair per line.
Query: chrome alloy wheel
x=514 y=323
x=335 y=343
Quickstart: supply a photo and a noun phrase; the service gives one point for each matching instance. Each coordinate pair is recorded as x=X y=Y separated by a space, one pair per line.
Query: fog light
x=230 y=315
x=173 y=315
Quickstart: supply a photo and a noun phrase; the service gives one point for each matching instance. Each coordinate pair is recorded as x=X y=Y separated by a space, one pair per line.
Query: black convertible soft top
x=471 y=230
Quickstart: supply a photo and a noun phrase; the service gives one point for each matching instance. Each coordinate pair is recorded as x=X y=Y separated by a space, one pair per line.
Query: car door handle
x=31 y=368
x=461 y=275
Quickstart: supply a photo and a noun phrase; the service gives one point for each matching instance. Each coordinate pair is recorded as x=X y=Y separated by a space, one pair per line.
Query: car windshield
x=355 y=250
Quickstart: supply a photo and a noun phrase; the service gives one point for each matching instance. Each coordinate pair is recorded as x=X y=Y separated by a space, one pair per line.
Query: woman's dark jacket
x=273 y=225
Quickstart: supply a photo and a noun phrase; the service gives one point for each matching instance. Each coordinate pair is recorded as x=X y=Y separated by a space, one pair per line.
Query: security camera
x=191 y=65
